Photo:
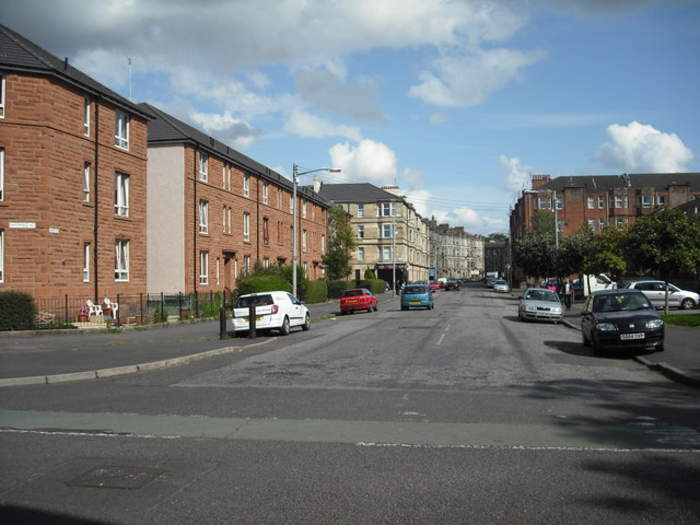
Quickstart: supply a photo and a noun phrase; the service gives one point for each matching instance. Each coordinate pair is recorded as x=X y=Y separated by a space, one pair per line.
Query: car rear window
x=352 y=293
x=415 y=289
x=254 y=300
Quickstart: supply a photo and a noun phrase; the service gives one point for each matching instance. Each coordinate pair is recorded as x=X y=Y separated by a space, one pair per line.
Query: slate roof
x=17 y=53
x=593 y=183
x=166 y=129
x=692 y=207
x=363 y=192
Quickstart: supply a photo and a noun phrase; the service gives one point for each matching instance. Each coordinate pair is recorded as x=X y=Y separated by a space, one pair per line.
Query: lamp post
x=295 y=175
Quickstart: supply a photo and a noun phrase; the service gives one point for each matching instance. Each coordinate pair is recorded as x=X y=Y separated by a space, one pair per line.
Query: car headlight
x=556 y=310
x=606 y=327
x=531 y=308
x=653 y=324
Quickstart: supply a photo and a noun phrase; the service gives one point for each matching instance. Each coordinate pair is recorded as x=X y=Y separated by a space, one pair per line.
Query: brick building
x=72 y=179
x=601 y=200
x=214 y=212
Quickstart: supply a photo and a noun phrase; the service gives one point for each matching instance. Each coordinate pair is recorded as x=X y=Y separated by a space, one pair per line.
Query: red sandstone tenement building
x=601 y=200
x=72 y=179
x=214 y=212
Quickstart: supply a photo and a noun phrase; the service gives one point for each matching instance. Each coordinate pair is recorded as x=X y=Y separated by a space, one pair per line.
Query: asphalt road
x=461 y=414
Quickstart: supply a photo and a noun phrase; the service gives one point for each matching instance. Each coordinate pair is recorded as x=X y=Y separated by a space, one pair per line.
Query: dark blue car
x=416 y=295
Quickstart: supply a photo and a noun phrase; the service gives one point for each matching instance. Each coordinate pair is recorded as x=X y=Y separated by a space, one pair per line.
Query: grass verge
x=691 y=320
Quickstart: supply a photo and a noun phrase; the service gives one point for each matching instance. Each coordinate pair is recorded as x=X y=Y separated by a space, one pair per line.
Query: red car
x=357 y=299
x=434 y=285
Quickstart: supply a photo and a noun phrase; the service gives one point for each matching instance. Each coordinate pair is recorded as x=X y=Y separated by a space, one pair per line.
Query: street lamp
x=553 y=193
x=295 y=175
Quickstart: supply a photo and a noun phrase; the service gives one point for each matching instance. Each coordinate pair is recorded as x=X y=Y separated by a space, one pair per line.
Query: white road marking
x=531 y=447
x=440 y=340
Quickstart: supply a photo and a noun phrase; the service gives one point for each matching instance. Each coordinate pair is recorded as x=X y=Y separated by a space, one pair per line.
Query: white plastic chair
x=95 y=309
x=112 y=306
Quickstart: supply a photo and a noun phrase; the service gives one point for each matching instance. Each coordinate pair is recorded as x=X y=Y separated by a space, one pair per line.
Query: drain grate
x=112 y=477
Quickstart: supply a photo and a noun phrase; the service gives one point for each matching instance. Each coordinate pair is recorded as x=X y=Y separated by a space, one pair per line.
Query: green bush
x=369 y=274
x=211 y=309
x=262 y=283
x=17 y=311
x=336 y=288
x=377 y=286
x=316 y=292
x=160 y=315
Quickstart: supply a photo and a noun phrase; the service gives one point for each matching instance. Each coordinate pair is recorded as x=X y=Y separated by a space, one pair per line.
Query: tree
x=664 y=242
x=341 y=243
x=536 y=255
x=493 y=237
x=605 y=253
x=543 y=223
x=573 y=251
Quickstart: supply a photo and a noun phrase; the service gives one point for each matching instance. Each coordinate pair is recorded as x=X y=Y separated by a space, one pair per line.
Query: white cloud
x=304 y=124
x=420 y=199
x=411 y=177
x=258 y=79
x=517 y=176
x=638 y=148
x=466 y=80
x=370 y=161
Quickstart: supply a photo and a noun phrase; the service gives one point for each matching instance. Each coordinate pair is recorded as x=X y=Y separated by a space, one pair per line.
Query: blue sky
x=458 y=101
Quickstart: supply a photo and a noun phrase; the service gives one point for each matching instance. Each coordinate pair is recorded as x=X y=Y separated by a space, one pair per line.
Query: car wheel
x=404 y=308
x=307 y=323
x=660 y=348
x=376 y=307
x=586 y=341
x=284 y=329
x=687 y=303
x=597 y=350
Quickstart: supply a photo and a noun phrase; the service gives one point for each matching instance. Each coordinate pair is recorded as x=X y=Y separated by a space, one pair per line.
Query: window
x=266 y=262
x=203 y=216
x=303 y=240
x=203 y=166
x=266 y=230
x=388 y=209
x=544 y=203
x=387 y=231
x=360 y=231
x=121 y=267
x=246 y=185
x=591 y=202
x=560 y=203
x=246 y=226
x=2 y=174
x=360 y=210
x=203 y=267
x=560 y=225
x=620 y=201
x=306 y=269
x=86 y=182
x=360 y=254
x=386 y=253
x=291 y=204
x=266 y=193
x=2 y=256
x=647 y=201
x=2 y=96
x=303 y=209
x=323 y=244
x=591 y=224
x=279 y=198
x=86 y=117
x=86 y=262
x=246 y=264
x=601 y=224
x=121 y=194
x=218 y=270
x=660 y=199
x=226 y=177
x=601 y=203
x=619 y=221
x=121 y=130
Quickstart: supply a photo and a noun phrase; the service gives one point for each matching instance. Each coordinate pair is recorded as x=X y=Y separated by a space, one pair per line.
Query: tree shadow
x=17 y=514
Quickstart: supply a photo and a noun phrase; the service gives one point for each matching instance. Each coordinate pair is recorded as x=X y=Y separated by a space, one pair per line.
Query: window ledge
x=123 y=218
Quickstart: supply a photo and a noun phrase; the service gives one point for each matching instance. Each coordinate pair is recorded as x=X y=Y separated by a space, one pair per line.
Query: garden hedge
x=336 y=288
x=315 y=292
x=17 y=311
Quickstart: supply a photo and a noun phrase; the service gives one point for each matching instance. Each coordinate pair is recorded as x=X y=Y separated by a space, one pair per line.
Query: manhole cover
x=116 y=477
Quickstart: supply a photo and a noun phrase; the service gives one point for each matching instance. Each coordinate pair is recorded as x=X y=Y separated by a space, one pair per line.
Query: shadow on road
x=577 y=348
x=12 y=514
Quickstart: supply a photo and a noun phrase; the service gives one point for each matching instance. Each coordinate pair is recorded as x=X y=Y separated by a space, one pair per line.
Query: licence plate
x=247 y=319
x=353 y=301
x=415 y=302
x=626 y=337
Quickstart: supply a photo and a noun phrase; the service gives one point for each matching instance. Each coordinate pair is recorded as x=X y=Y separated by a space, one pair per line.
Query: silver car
x=655 y=291
x=540 y=304
x=501 y=286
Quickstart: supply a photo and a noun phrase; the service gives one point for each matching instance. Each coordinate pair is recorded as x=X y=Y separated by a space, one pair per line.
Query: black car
x=452 y=285
x=619 y=320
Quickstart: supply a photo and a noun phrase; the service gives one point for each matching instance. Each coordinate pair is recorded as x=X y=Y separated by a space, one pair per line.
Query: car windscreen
x=620 y=302
x=352 y=293
x=415 y=289
x=541 y=295
x=254 y=300
x=500 y=282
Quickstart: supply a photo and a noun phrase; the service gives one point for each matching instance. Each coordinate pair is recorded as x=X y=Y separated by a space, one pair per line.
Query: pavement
x=679 y=361
x=74 y=355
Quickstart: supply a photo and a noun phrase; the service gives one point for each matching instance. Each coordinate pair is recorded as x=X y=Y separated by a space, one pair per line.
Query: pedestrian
x=567 y=291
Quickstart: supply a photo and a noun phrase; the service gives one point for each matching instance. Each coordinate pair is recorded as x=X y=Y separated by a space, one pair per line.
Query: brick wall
x=45 y=155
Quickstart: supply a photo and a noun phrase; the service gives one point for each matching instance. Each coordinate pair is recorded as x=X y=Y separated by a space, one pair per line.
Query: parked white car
x=655 y=291
x=273 y=311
